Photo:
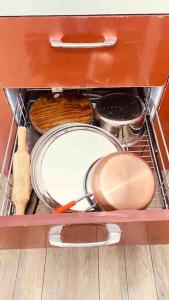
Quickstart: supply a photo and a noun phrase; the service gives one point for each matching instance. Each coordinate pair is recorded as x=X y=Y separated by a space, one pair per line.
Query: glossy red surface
x=139 y=58
x=7 y=128
x=163 y=113
x=137 y=228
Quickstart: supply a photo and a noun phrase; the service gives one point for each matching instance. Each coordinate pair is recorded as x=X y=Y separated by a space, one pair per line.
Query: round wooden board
x=47 y=113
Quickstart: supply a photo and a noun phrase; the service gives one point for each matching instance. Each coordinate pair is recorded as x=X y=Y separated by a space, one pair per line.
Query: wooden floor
x=109 y=273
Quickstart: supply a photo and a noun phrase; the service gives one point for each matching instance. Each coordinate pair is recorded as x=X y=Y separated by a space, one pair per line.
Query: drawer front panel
x=136 y=228
x=162 y=128
x=164 y=116
x=139 y=57
x=7 y=130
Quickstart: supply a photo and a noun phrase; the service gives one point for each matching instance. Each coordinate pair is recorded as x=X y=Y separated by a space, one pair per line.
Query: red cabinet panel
x=162 y=130
x=7 y=130
x=139 y=58
x=137 y=228
x=164 y=113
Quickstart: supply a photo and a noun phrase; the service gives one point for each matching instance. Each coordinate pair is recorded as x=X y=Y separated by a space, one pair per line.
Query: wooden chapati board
x=47 y=113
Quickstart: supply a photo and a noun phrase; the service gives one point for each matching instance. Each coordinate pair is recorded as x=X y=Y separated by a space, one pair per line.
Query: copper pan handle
x=55 y=238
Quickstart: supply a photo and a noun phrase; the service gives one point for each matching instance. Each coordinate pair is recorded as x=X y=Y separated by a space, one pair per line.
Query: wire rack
x=148 y=148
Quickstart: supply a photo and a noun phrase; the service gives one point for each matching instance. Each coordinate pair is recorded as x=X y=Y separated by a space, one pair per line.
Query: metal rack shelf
x=147 y=149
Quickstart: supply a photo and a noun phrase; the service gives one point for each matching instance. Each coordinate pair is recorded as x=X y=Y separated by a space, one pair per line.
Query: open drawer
x=88 y=51
x=150 y=226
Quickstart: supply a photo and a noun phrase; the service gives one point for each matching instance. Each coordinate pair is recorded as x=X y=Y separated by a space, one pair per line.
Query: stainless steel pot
x=123 y=116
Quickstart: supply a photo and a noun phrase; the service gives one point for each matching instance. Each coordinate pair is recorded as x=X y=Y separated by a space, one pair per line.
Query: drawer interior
x=20 y=101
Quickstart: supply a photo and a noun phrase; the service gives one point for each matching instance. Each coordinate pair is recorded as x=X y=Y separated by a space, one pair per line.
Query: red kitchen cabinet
x=138 y=58
x=129 y=227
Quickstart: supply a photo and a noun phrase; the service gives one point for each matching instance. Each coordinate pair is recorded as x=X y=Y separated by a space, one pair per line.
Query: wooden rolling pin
x=21 y=174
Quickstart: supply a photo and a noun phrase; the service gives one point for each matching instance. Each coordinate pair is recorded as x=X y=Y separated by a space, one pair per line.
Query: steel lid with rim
x=60 y=160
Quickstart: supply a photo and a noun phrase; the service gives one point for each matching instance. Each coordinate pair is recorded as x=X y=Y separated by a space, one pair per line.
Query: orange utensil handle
x=64 y=208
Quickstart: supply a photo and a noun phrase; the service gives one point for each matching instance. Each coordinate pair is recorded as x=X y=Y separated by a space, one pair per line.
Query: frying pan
x=120 y=181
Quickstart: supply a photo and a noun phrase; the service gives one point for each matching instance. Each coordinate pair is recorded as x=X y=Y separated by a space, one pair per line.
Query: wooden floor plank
x=30 y=274
x=112 y=274
x=71 y=274
x=8 y=269
x=160 y=258
x=140 y=276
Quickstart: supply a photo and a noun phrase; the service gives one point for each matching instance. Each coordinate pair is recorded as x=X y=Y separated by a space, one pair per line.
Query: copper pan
x=122 y=181
x=119 y=181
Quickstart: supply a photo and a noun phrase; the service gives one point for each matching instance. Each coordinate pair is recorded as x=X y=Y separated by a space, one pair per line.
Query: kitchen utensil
x=119 y=181
x=122 y=181
x=47 y=113
x=64 y=208
x=32 y=204
x=122 y=115
x=21 y=174
x=60 y=159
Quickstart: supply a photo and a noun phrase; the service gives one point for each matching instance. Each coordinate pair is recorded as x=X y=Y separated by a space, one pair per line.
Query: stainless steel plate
x=61 y=158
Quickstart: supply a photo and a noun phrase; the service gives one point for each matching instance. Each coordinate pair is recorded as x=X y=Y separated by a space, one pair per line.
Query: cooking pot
x=122 y=181
x=119 y=180
x=122 y=115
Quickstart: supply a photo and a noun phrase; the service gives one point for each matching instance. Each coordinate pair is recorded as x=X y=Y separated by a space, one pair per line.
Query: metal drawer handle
x=108 y=42
x=55 y=238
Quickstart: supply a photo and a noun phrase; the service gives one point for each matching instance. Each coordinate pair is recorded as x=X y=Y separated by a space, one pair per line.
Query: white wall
x=82 y=7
